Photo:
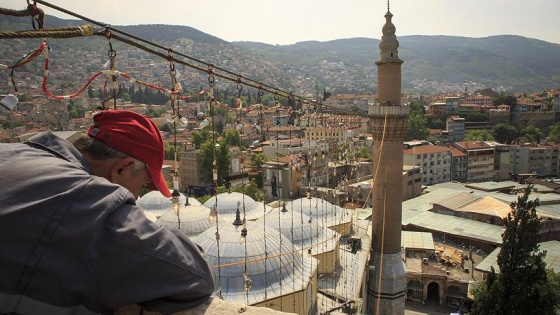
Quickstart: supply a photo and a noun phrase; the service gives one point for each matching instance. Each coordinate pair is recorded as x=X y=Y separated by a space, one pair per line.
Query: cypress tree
x=522 y=285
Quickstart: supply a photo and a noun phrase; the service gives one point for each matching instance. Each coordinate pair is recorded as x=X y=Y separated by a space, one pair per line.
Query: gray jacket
x=74 y=243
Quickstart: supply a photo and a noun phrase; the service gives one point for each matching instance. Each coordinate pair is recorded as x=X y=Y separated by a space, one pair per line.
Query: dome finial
x=388 y=5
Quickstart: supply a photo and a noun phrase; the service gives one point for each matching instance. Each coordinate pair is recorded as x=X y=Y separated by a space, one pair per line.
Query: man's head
x=139 y=141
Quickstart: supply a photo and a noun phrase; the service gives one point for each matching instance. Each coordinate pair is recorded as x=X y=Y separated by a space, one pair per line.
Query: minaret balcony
x=379 y=110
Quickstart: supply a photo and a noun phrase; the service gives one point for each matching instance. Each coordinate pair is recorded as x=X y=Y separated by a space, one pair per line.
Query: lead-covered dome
x=303 y=231
x=259 y=268
x=324 y=212
x=192 y=220
x=229 y=202
x=158 y=204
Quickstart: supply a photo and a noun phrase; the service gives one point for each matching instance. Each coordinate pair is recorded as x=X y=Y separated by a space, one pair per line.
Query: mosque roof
x=273 y=266
x=229 y=202
x=158 y=204
x=192 y=220
x=324 y=212
x=304 y=232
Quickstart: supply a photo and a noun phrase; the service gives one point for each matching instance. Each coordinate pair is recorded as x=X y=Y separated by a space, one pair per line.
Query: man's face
x=130 y=178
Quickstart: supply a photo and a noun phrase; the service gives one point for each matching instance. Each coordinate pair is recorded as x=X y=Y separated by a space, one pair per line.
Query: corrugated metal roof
x=488 y=205
x=552 y=258
x=457 y=226
x=417 y=240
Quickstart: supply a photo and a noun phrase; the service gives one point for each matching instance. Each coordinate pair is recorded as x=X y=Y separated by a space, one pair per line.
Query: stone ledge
x=212 y=306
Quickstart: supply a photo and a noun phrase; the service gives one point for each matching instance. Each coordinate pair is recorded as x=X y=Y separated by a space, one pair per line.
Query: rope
x=381 y=254
x=61 y=32
x=31 y=11
x=225 y=74
x=28 y=58
x=380 y=150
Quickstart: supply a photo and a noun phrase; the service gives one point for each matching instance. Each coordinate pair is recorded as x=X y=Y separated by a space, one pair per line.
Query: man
x=73 y=241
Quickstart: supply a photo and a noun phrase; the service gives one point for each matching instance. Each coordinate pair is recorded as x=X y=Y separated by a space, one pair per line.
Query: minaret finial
x=388 y=5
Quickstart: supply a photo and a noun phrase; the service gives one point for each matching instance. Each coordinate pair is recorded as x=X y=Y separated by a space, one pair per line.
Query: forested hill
x=431 y=63
x=508 y=61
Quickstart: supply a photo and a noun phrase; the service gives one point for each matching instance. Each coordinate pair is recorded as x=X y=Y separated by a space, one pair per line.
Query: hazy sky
x=289 y=21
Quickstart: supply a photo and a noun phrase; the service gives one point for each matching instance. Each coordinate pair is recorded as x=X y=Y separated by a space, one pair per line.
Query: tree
x=222 y=158
x=504 y=133
x=523 y=284
x=232 y=137
x=530 y=134
x=504 y=98
x=167 y=127
x=199 y=137
x=554 y=134
x=258 y=159
x=479 y=135
x=416 y=128
x=364 y=153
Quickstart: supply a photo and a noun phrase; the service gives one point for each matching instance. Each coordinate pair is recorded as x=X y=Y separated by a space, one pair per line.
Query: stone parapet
x=212 y=306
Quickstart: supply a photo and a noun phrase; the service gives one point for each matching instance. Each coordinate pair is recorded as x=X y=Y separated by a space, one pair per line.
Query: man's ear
x=120 y=167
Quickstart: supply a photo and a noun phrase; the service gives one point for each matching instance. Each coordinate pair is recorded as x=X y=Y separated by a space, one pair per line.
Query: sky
x=285 y=22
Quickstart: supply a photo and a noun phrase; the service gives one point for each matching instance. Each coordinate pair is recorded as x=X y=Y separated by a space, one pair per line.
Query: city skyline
x=291 y=21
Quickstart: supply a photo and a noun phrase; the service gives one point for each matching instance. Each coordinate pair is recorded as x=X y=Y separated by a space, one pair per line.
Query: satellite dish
x=9 y=101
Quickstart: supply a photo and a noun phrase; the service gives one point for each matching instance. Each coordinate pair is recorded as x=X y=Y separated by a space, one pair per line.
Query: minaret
x=387 y=278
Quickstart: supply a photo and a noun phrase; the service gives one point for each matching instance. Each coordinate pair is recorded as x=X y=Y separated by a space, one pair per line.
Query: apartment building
x=480 y=160
x=458 y=165
x=434 y=160
x=455 y=128
x=541 y=160
x=193 y=176
x=481 y=100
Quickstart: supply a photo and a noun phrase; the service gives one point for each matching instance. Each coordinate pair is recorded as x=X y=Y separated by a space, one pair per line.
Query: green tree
x=554 y=134
x=476 y=117
x=504 y=133
x=199 y=137
x=169 y=150
x=232 y=137
x=167 y=127
x=258 y=159
x=417 y=127
x=504 y=98
x=530 y=134
x=523 y=284
x=479 y=135
x=222 y=156
x=363 y=153
x=435 y=122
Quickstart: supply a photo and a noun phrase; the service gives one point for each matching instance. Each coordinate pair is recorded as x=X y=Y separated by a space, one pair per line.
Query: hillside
x=510 y=62
x=432 y=63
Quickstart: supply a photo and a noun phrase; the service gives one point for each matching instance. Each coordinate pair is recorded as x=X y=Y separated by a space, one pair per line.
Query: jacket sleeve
x=159 y=268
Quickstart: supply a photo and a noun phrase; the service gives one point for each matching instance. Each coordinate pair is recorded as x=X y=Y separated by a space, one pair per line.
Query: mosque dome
x=192 y=220
x=259 y=268
x=324 y=212
x=229 y=202
x=158 y=204
x=303 y=231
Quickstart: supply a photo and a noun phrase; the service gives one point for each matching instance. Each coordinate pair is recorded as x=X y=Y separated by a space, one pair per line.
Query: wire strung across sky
x=166 y=53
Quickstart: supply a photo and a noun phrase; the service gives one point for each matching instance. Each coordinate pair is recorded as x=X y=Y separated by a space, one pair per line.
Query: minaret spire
x=387 y=284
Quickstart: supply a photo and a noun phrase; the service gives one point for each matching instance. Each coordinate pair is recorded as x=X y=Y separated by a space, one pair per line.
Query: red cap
x=134 y=135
